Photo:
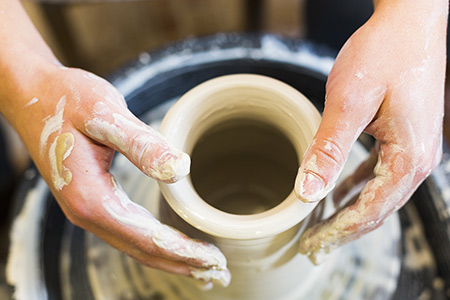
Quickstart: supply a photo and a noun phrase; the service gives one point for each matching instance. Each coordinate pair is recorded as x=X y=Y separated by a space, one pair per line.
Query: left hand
x=72 y=122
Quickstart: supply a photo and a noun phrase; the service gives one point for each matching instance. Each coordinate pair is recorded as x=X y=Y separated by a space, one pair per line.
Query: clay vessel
x=246 y=135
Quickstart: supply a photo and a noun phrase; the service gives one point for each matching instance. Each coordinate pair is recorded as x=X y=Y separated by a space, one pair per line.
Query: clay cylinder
x=246 y=135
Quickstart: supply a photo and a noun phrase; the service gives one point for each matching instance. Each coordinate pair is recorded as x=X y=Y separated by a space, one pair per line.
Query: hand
x=388 y=80
x=71 y=122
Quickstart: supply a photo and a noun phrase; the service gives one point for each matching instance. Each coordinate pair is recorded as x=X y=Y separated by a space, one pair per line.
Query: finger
x=103 y=208
x=348 y=110
x=116 y=127
x=195 y=269
x=210 y=276
x=385 y=193
x=353 y=184
x=205 y=261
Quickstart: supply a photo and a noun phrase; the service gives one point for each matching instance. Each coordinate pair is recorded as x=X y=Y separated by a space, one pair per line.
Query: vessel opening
x=243 y=166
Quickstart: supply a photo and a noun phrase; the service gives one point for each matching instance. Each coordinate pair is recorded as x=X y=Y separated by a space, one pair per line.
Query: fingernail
x=309 y=187
x=221 y=277
x=173 y=168
x=180 y=166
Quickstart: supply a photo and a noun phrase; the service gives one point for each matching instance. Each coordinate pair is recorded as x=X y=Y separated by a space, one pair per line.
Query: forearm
x=21 y=56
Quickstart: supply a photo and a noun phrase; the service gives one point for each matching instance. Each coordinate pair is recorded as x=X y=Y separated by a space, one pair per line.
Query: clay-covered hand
x=71 y=122
x=388 y=80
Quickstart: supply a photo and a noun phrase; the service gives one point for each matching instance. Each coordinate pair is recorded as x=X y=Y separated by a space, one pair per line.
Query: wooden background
x=102 y=36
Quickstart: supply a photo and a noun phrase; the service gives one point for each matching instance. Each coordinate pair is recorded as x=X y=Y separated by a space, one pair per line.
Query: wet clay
x=59 y=150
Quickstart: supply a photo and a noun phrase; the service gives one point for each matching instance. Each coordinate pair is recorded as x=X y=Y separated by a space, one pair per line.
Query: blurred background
x=101 y=36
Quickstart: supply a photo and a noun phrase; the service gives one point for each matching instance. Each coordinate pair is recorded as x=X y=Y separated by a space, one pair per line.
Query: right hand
x=388 y=80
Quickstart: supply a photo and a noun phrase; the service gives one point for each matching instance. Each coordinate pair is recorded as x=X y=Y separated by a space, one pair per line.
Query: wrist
x=24 y=56
x=422 y=23
x=21 y=80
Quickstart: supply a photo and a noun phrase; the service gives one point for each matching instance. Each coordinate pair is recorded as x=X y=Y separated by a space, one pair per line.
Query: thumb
x=321 y=166
x=345 y=117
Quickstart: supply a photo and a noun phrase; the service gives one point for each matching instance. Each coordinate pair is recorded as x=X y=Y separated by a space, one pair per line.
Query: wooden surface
x=103 y=36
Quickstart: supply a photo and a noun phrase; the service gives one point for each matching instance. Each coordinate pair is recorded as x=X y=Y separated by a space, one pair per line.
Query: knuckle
x=77 y=212
x=74 y=219
x=424 y=168
x=140 y=147
x=426 y=165
x=330 y=151
x=437 y=158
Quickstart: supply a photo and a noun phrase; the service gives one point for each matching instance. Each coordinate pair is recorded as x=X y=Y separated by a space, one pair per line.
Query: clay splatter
x=59 y=150
x=32 y=101
x=52 y=124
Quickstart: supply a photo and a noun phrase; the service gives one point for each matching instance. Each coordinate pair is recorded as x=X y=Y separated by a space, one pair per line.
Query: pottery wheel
x=366 y=269
x=66 y=262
